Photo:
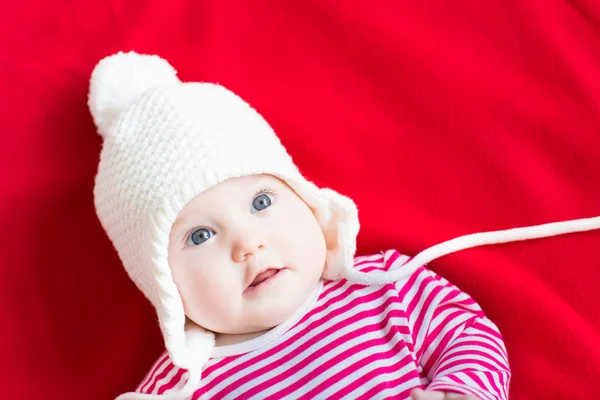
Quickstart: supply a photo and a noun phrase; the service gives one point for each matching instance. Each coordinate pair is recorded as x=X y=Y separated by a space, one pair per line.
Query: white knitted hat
x=165 y=142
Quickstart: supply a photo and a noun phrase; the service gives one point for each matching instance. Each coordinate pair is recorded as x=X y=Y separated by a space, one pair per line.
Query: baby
x=252 y=269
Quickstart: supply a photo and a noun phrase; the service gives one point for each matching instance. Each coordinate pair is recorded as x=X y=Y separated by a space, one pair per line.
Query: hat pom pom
x=118 y=80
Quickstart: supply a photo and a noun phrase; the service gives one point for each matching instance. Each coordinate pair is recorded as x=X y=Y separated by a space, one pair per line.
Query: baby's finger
x=458 y=396
x=420 y=394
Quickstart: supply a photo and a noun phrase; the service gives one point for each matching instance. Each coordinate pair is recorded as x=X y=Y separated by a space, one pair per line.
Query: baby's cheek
x=217 y=299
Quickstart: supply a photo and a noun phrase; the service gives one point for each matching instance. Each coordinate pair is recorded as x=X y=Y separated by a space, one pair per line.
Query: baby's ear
x=338 y=217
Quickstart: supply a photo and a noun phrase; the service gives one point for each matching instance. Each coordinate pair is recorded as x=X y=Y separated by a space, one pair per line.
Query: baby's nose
x=245 y=246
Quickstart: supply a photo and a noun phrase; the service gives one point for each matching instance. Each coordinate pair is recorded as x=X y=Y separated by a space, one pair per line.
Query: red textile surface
x=439 y=119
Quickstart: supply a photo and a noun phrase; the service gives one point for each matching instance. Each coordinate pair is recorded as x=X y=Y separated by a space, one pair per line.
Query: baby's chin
x=251 y=319
x=271 y=317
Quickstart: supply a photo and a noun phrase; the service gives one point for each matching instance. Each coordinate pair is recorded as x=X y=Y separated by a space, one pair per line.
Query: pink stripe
x=418 y=317
x=212 y=368
x=368 y=264
x=446 y=305
x=447 y=365
x=490 y=350
x=490 y=379
x=498 y=348
x=504 y=378
x=302 y=348
x=465 y=387
x=391 y=259
x=326 y=308
x=160 y=376
x=467 y=303
x=480 y=340
x=377 y=260
x=411 y=282
x=366 y=270
x=405 y=394
x=322 y=354
x=199 y=393
x=491 y=331
x=174 y=381
x=331 y=286
x=447 y=321
x=475 y=378
x=348 y=389
x=446 y=338
x=427 y=287
x=159 y=363
x=452 y=298
x=487 y=366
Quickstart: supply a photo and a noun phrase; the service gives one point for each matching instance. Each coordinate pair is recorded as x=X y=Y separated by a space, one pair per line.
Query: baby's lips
x=263 y=276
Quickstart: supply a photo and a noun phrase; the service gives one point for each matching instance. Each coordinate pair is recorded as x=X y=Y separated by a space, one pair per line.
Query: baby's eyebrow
x=179 y=227
x=177 y=222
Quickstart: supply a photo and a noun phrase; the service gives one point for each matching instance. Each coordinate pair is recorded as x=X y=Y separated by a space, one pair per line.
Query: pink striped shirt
x=360 y=342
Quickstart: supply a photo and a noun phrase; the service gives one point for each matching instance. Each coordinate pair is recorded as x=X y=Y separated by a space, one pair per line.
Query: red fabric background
x=439 y=119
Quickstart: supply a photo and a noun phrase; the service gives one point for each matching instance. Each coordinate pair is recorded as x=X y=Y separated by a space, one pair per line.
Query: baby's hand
x=419 y=394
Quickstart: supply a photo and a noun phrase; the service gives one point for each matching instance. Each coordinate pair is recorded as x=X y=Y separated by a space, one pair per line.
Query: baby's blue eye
x=199 y=236
x=261 y=202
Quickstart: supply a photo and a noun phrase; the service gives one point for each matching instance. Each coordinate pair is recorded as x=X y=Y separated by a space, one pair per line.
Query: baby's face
x=233 y=236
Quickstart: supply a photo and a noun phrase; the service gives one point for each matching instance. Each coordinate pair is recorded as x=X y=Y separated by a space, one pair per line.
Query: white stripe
x=485 y=338
x=371 y=258
x=402 y=371
x=156 y=373
x=146 y=382
x=180 y=384
x=452 y=326
x=421 y=275
x=399 y=262
x=393 y=392
x=418 y=312
x=495 y=357
x=441 y=318
x=506 y=376
x=471 y=357
x=466 y=365
x=483 y=392
x=457 y=323
x=502 y=387
x=429 y=352
x=164 y=380
x=489 y=324
x=463 y=376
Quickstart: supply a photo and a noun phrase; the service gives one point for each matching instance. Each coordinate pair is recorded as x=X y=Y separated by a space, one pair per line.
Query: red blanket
x=438 y=118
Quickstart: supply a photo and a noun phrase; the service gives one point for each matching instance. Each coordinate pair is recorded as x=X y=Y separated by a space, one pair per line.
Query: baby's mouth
x=263 y=276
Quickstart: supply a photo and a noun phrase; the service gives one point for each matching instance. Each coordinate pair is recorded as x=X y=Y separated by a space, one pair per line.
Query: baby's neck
x=224 y=339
